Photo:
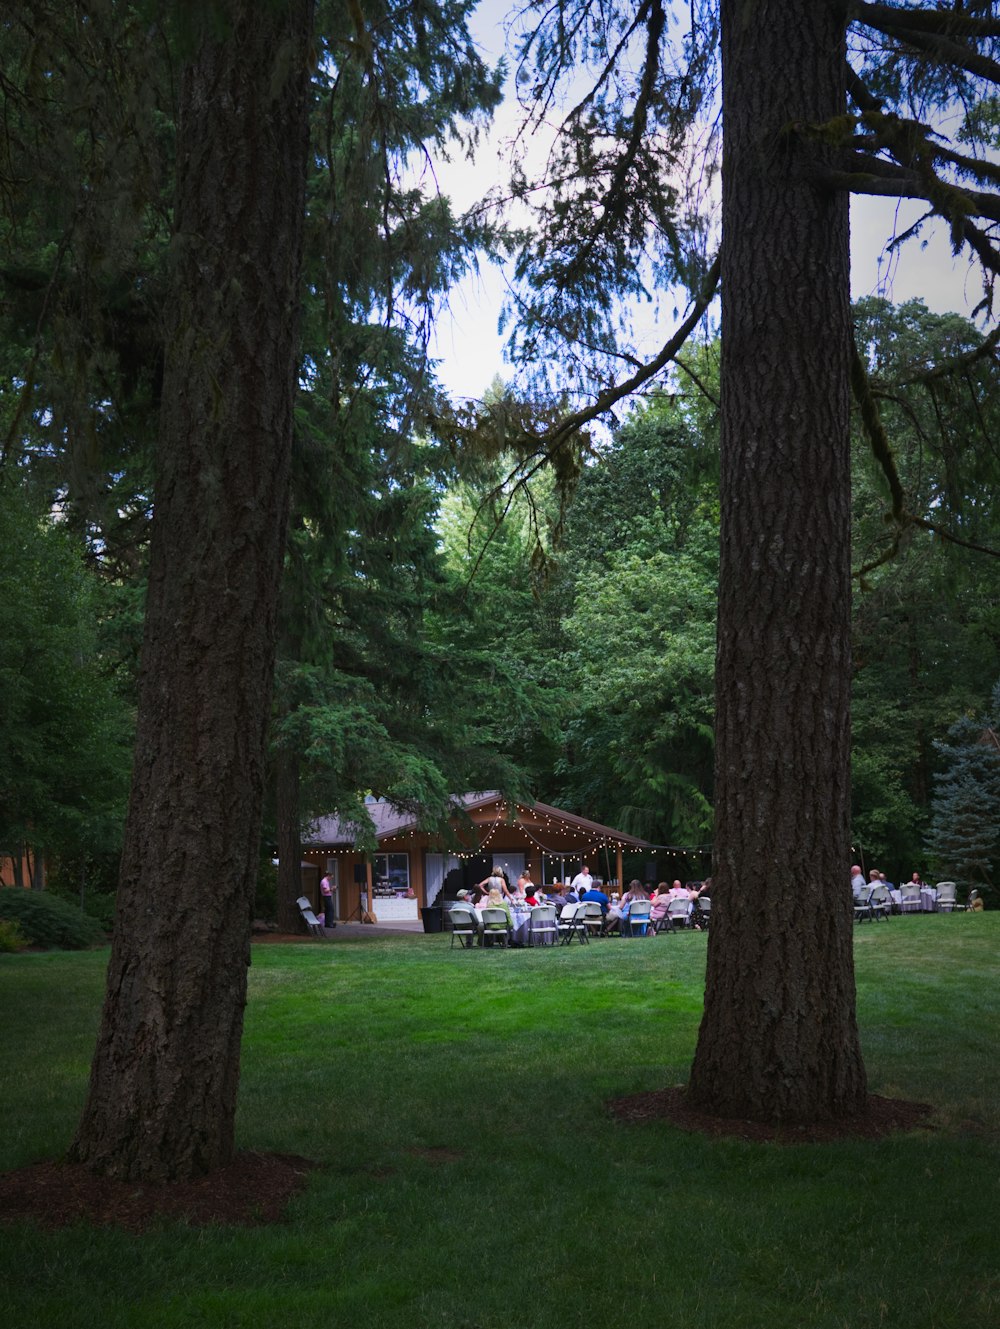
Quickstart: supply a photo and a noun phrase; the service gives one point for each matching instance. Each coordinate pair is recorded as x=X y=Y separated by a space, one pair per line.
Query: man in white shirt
x=582 y=881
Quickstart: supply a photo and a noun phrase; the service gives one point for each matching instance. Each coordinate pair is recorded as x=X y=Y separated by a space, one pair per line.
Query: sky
x=469 y=347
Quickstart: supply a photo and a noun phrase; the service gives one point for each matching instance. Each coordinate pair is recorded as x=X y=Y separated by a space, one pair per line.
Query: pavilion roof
x=391 y=821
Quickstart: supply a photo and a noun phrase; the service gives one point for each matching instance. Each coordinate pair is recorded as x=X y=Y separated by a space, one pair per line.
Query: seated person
x=619 y=911
x=557 y=896
x=463 y=902
x=595 y=893
x=496 y=901
x=661 y=903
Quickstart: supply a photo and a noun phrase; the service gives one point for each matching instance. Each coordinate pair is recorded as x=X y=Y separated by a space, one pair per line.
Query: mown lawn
x=540 y=1210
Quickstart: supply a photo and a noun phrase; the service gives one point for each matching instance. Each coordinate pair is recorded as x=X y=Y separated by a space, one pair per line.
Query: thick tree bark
x=162 y=1095
x=779 y=1039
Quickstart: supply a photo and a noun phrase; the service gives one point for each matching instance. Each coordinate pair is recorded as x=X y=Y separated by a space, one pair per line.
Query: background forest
x=446 y=622
x=437 y=651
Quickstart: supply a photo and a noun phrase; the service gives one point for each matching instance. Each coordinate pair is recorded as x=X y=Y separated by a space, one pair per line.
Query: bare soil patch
x=251 y=1191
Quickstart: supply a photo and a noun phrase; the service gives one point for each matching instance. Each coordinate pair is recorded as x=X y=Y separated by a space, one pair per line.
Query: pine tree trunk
x=779 y=1038
x=162 y=1095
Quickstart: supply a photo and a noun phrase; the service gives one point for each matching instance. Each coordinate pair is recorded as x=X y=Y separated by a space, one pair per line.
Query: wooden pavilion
x=412 y=868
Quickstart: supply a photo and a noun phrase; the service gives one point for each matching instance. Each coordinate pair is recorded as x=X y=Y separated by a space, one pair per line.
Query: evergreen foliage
x=66 y=731
x=964 y=835
x=46 y=921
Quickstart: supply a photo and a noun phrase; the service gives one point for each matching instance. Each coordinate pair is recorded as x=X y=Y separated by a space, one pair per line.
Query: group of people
x=493 y=892
x=661 y=899
x=875 y=878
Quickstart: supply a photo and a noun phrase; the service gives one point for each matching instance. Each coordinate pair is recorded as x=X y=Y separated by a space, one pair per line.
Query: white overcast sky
x=469 y=347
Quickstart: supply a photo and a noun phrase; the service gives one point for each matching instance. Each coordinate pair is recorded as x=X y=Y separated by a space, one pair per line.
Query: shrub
x=12 y=937
x=46 y=921
x=96 y=904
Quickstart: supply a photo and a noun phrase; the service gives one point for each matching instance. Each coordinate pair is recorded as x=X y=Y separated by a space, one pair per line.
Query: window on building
x=559 y=867
x=390 y=874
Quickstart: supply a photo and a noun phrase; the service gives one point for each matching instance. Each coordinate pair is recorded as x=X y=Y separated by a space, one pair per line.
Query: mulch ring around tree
x=885 y=1116
x=251 y=1191
x=255 y=1188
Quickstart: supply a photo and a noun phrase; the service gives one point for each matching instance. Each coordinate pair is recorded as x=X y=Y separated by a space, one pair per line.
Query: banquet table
x=927 y=905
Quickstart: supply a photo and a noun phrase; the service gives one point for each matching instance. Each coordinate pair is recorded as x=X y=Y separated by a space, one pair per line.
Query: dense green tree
x=362 y=702
x=85 y=166
x=639 y=570
x=926 y=625
x=964 y=836
x=66 y=731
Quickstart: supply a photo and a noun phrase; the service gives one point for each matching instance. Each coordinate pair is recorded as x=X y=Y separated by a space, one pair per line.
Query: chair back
x=678 y=908
x=592 y=912
x=569 y=912
x=946 y=901
x=637 y=919
x=304 y=902
x=495 y=920
x=543 y=913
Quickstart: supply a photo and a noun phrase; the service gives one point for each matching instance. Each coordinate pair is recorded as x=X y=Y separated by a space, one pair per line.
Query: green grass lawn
x=370 y=1055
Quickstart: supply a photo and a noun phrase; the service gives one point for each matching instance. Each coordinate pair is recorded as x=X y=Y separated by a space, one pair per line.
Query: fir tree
x=965 y=829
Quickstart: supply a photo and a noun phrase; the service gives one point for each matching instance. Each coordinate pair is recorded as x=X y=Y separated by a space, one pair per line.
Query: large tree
x=778 y=1038
x=162 y=1095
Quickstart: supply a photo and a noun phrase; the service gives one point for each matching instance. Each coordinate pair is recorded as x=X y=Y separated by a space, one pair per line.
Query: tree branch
x=956 y=363
x=882 y=451
x=906 y=26
x=942 y=22
x=545 y=446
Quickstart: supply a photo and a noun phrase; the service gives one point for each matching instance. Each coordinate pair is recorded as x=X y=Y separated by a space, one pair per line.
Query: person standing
x=582 y=882
x=327 y=896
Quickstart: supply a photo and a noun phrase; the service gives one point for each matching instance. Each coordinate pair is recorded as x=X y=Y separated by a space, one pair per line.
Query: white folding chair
x=880 y=902
x=309 y=918
x=572 y=924
x=463 y=926
x=496 y=927
x=543 y=928
x=591 y=916
x=636 y=922
x=679 y=913
x=909 y=898
x=946 y=901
